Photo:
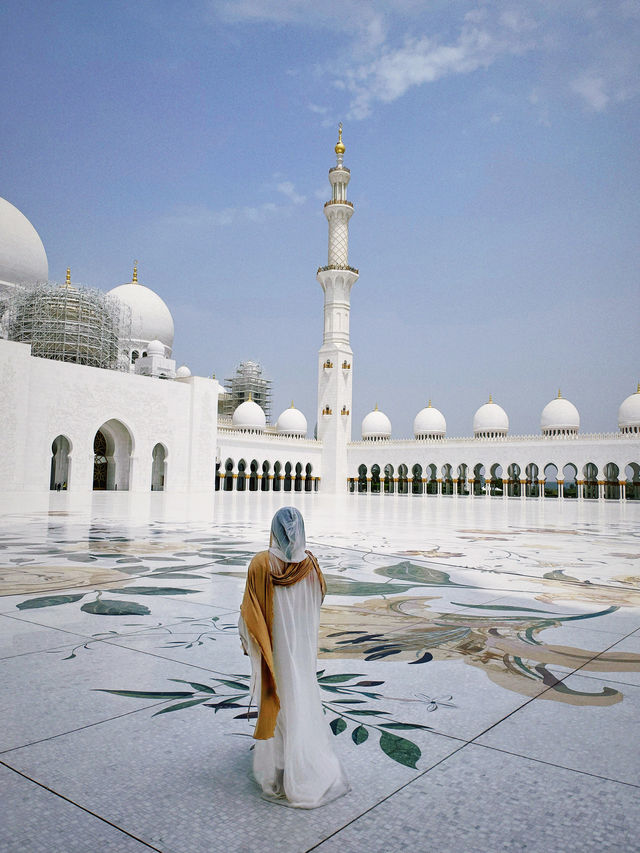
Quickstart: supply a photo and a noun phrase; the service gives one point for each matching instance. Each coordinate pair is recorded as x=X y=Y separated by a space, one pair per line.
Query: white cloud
x=591 y=87
x=425 y=60
x=289 y=191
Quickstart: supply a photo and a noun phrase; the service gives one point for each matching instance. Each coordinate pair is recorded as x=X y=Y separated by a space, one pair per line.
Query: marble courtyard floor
x=124 y=690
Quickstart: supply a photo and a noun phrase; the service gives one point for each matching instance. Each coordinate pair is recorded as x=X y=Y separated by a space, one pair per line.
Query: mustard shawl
x=257 y=612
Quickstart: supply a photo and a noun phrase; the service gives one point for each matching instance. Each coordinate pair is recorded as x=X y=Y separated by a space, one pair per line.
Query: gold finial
x=68 y=281
x=490 y=398
x=251 y=396
x=376 y=408
x=559 y=394
x=638 y=391
x=429 y=406
x=292 y=406
x=135 y=272
x=340 y=149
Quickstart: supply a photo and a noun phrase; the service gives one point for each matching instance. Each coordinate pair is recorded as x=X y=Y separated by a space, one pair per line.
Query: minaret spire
x=335 y=358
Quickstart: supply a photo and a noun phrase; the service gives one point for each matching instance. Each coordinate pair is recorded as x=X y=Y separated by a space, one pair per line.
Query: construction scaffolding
x=247 y=384
x=71 y=323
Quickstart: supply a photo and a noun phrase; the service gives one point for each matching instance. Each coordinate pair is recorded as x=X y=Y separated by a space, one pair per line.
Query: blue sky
x=493 y=148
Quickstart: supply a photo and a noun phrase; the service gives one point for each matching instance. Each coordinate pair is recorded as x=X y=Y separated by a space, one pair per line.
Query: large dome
x=629 y=413
x=249 y=416
x=376 y=425
x=559 y=417
x=150 y=318
x=429 y=423
x=490 y=421
x=23 y=260
x=292 y=422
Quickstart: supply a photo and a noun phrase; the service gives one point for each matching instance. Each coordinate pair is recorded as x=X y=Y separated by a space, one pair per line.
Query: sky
x=493 y=149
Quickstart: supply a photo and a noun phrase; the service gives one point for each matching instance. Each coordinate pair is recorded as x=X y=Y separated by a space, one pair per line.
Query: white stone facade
x=42 y=399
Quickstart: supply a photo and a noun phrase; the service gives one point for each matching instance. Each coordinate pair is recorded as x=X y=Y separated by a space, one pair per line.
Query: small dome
x=629 y=413
x=292 y=422
x=155 y=348
x=429 y=423
x=376 y=425
x=490 y=421
x=559 y=417
x=249 y=416
x=183 y=372
x=150 y=318
x=23 y=260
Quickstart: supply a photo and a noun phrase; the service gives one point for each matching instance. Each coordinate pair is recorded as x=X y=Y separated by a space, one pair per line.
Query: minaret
x=335 y=359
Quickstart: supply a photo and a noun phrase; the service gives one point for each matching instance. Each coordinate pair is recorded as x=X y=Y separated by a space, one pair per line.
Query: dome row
x=251 y=418
x=559 y=417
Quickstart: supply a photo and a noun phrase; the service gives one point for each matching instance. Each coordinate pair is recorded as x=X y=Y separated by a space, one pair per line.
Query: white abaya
x=297 y=766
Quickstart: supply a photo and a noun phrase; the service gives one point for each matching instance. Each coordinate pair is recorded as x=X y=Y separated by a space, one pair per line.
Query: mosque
x=91 y=399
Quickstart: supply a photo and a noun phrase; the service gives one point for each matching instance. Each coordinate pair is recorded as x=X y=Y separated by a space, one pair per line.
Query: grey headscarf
x=288 y=541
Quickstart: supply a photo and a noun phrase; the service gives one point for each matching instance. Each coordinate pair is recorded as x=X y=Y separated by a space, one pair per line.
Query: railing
x=339 y=169
x=344 y=201
x=506 y=439
x=269 y=436
x=338 y=267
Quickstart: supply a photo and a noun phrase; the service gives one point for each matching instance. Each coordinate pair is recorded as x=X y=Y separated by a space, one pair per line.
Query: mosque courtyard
x=125 y=713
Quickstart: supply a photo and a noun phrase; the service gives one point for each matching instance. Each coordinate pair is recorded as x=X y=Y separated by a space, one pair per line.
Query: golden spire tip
x=429 y=406
x=68 y=281
x=490 y=398
x=559 y=394
x=340 y=149
x=135 y=272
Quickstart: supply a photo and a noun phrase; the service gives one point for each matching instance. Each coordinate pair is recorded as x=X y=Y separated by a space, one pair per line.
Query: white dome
x=292 y=422
x=183 y=372
x=429 y=422
x=155 y=348
x=250 y=416
x=150 y=318
x=629 y=413
x=376 y=425
x=489 y=420
x=559 y=415
x=23 y=260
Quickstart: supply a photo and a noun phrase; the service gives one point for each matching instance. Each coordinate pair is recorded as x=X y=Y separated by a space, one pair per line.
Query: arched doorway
x=416 y=479
x=159 y=468
x=403 y=479
x=513 y=475
x=253 y=476
x=277 y=476
x=388 y=479
x=362 y=479
x=264 y=485
x=241 y=478
x=298 y=478
x=228 y=475
x=375 y=479
x=590 y=474
x=112 y=448
x=60 y=463
x=496 y=486
x=287 y=476
x=308 y=479
x=570 y=486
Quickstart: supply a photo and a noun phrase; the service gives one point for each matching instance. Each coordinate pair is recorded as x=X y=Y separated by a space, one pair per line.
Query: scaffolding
x=247 y=384
x=71 y=323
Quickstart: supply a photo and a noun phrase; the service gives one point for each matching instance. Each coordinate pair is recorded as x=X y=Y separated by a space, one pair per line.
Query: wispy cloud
x=424 y=60
x=289 y=191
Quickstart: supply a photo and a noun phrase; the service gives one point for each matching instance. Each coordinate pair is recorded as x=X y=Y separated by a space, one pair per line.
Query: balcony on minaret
x=338 y=201
x=338 y=267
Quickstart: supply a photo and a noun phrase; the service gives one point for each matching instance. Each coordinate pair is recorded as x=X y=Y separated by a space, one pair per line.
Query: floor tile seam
x=596 y=677
x=387 y=797
x=554 y=764
x=78 y=806
x=82 y=728
x=160 y=657
x=537 y=697
x=483 y=569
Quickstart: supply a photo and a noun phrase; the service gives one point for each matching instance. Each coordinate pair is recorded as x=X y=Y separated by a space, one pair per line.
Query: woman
x=294 y=762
